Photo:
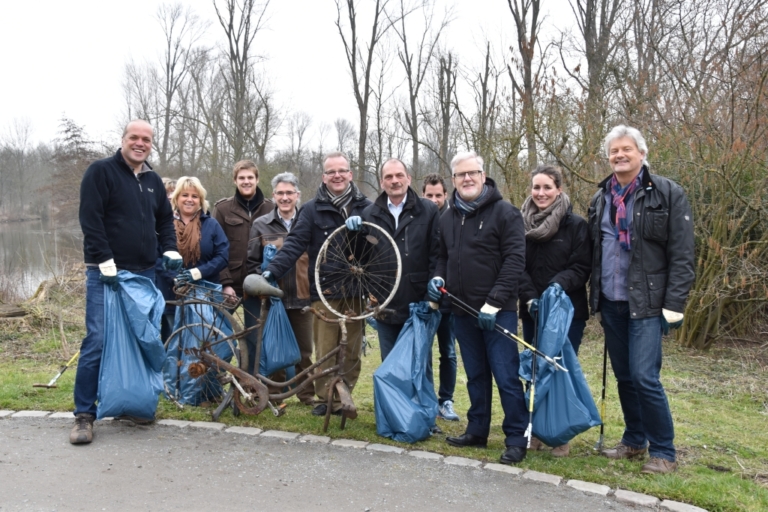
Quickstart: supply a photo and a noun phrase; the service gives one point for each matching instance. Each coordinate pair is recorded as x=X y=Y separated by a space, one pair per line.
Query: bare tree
x=345 y=132
x=416 y=64
x=360 y=59
x=439 y=116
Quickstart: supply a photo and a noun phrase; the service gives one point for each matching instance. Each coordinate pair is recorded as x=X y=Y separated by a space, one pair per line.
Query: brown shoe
x=659 y=466
x=82 y=432
x=561 y=451
x=536 y=444
x=622 y=451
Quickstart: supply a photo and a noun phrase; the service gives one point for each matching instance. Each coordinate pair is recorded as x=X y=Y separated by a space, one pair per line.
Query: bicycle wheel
x=357 y=272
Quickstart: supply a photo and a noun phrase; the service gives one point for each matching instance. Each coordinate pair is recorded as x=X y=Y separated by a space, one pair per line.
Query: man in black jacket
x=482 y=256
x=124 y=214
x=412 y=222
x=642 y=270
x=337 y=199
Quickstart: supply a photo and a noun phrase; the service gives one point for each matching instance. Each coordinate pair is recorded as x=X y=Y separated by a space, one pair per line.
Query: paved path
x=170 y=468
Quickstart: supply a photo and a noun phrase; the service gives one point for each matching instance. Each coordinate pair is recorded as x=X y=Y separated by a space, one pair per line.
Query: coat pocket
x=657 y=289
x=655 y=225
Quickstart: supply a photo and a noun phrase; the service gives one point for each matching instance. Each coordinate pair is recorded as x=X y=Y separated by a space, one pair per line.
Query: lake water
x=33 y=251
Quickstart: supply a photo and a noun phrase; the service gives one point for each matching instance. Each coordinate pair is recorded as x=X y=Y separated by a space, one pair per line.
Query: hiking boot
x=536 y=444
x=622 y=451
x=659 y=466
x=135 y=420
x=82 y=432
x=561 y=451
x=446 y=412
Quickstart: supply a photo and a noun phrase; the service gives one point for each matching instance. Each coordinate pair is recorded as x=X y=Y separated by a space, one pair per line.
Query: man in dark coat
x=641 y=228
x=337 y=199
x=236 y=215
x=412 y=222
x=124 y=215
x=482 y=256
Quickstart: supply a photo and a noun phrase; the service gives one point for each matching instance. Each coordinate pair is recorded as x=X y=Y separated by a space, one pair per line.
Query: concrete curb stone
x=636 y=498
x=279 y=434
x=5 y=413
x=462 y=461
x=542 y=477
x=61 y=416
x=249 y=431
x=503 y=468
x=602 y=490
x=175 y=423
x=425 y=455
x=676 y=506
x=210 y=425
x=349 y=443
x=375 y=447
x=31 y=414
x=309 y=438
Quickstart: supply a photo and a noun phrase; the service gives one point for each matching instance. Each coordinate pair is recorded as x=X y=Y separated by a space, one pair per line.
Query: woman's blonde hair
x=186 y=182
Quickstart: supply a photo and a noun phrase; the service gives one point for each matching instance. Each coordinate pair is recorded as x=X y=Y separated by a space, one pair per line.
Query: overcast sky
x=68 y=57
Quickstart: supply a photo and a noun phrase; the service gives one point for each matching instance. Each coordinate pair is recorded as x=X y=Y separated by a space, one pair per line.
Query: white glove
x=671 y=316
x=108 y=268
x=196 y=275
x=487 y=308
x=434 y=305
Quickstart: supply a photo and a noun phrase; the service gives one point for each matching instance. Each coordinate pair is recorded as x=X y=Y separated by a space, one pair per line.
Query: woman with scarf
x=200 y=239
x=557 y=251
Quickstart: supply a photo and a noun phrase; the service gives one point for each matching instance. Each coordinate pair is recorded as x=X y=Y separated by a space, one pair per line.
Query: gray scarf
x=541 y=225
x=341 y=201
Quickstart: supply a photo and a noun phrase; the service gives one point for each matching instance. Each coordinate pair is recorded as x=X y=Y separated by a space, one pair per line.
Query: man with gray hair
x=273 y=228
x=482 y=257
x=642 y=270
x=337 y=199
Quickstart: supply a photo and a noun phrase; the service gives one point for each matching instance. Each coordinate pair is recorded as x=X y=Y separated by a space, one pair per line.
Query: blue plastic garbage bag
x=279 y=348
x=130 y=377
x=203 y=323
x=403 y=398
x=563 y=405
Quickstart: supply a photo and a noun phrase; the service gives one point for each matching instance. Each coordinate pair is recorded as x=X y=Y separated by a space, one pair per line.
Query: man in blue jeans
x=482 y=257
x=434 y=189
x=642 y=270
x=124 y=215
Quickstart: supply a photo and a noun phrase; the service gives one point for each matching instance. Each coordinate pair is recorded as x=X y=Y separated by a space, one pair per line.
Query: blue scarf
x=464 y=207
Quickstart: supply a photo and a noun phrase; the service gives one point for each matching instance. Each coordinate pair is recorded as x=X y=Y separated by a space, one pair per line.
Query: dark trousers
x=388 y=334
x=488 y=356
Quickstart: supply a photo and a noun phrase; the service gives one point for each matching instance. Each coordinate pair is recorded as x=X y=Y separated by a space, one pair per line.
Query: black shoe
x=321 y=409
x=465 y=440
x=513 y=455
x=434 y=430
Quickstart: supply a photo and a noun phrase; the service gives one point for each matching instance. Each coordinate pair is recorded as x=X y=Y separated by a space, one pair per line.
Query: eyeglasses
x=334 y=173
x=286 y=193
x=469 y=174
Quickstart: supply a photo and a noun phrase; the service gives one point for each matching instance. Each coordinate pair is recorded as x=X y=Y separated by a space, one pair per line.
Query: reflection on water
x=31 y=252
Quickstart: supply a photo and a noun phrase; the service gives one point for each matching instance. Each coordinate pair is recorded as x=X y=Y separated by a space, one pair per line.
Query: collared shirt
x=615 y=268
x=289 y=222
x=395 y=210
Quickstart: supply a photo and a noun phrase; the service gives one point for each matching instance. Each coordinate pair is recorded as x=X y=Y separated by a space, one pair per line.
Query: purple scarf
x=621 y=223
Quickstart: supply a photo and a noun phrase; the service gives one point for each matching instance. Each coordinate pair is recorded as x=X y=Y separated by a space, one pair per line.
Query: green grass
x=718 y=399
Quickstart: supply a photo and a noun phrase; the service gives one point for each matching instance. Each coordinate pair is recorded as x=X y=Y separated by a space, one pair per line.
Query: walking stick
x=532 y=390
x=466 y=307
x=599 y=445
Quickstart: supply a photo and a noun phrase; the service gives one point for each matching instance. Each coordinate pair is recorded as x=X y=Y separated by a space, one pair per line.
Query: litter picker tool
x=52 y=384
x=532 y=389
x=466 y=307
x=599 y=444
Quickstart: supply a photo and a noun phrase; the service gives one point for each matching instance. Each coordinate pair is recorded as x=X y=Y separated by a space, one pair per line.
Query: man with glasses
x=412 y=222
x=273 y=228
x=482 y=256
x=337 y=199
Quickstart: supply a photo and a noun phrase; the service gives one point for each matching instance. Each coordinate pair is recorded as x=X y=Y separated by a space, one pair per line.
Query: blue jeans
x=634 y=346
x=575 y=332
x=87 y=376
x=251 y=314
x=388 y=334
x=489 y=355
x=445 y=343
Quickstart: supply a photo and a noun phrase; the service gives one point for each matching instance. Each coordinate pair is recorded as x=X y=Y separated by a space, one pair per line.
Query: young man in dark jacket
x=273 y=228
x=412 y=222
x=236 y=215
x=482 y=256
x=124 y=215
x=337 y=199
x=642 y=270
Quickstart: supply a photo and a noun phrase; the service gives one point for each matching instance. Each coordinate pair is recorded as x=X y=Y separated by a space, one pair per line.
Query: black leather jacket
x=661 y=268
